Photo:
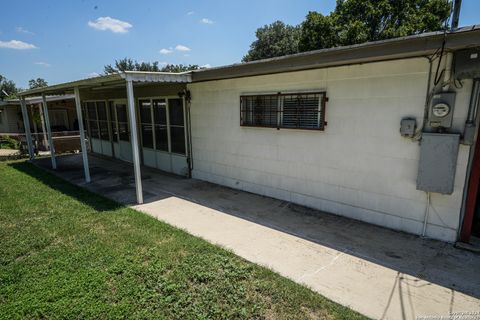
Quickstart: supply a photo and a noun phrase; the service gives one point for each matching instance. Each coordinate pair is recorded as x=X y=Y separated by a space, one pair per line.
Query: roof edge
x=396 y=48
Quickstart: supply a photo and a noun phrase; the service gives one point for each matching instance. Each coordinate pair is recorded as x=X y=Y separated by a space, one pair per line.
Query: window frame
x=167 y=125
x=322 y=105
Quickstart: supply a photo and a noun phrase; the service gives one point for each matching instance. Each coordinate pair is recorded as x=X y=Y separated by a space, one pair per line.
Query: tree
x=352 y=22
x=128 y=64
x=276 y=39
x=8 y=89
x=37 y=83
x=317 y=32
x=360 y=21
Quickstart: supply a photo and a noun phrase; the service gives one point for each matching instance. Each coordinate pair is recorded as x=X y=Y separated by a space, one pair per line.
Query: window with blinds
x=292 y=110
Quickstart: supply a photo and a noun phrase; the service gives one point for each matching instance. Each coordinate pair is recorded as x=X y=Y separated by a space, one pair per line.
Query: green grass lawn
x=67 y=253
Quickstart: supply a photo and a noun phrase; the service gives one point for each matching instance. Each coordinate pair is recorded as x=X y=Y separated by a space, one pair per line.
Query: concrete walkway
x=378 y=272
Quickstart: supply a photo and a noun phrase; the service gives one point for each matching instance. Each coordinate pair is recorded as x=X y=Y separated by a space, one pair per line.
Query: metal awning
x=109 y=81
x=37 y=100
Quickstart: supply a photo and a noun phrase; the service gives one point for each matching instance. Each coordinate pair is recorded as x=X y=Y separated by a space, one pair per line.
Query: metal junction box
x=467 y=63
x=438 y=161
x=440 y=113
x=408 y=127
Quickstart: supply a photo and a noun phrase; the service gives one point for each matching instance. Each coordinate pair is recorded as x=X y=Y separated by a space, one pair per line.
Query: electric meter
x=440 y=110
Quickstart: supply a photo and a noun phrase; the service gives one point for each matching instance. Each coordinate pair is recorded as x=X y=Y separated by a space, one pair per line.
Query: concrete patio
x=378 y=272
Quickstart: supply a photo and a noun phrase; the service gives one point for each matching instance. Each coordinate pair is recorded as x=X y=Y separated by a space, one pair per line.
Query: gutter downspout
x=189 y=136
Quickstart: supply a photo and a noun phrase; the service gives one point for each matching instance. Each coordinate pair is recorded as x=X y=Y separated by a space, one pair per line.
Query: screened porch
x=137 y=117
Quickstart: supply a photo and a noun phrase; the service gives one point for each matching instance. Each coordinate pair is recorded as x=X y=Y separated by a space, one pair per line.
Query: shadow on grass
x=94 y=201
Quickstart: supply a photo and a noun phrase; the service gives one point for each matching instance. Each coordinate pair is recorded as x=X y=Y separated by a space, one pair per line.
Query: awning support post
x=49 y=132
x=134 y=139
x=83 y=145
x=26 y=125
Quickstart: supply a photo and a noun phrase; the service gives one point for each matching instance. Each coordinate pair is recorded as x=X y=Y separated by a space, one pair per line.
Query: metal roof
x=112 y=79
x=38 y=99
x=418 y=45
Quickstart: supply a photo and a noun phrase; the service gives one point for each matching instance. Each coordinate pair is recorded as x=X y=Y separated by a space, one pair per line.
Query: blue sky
x=64 y=40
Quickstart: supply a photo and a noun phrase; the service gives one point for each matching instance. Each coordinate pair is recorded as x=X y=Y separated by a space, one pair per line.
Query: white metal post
x=134 y=138
x=83 y=145
x=26 y=125
x=42 y=122
x=49 y=131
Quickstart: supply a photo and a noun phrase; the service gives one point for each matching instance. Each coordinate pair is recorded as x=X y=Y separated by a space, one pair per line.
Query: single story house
x=384 y=132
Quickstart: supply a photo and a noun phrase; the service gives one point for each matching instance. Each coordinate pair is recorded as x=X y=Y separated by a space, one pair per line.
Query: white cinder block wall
x=359 y=167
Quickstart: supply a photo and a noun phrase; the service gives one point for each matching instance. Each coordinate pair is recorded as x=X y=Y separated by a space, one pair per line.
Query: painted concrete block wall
x=359 y=167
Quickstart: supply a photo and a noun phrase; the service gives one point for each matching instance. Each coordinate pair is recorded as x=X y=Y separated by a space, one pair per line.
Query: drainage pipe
x=427 y=212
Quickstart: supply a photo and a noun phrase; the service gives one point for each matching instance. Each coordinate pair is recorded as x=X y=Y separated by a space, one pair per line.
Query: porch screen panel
x=92 y=120
x=103 y=120
x=123 y=130
x=146 y=123
x=160 y=123
x=177 y=125
x=113 y=121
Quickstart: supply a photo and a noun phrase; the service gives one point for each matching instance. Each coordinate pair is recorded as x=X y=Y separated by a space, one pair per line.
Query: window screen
x=123 y=131
x=102 y=120
x=295 y=110
x=146 y=123
x=160 y=122
x=113 y=121
x=92 y=120
x=177 y=130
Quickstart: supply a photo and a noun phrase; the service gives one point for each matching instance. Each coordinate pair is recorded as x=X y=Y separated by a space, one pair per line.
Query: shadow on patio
x=379 y=272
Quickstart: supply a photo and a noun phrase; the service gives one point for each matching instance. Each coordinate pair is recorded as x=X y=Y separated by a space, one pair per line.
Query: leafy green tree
x=37 y=83
x=360 y=21
x=352 y=22
x=128 y=64
x=8 y=89
x=276 y=39
x=317 y=31
x=179 y=67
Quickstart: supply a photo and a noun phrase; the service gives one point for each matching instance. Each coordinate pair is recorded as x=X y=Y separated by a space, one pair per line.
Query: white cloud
x=93 y=75
x=206 y=66
x=182 y=48
x=41 y=63
x=189 y=13
x=17 y=45
x=166 y=51
x=108 y=23
x=163 y=63
x=206 y=21
x=23 y=30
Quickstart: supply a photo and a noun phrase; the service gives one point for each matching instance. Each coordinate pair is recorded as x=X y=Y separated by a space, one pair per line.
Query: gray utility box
x=438 y=161
x=467 y=63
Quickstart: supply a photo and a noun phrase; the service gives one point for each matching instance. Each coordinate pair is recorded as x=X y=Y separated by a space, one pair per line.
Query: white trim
x=78 y=106
x=49 y=131
x=134 y=141
x=26 y=125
